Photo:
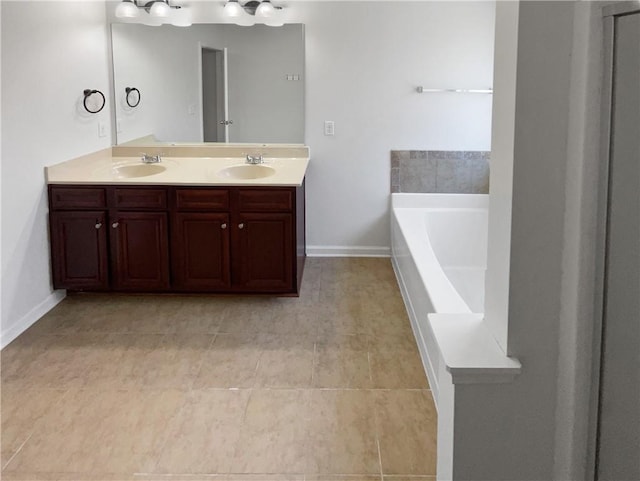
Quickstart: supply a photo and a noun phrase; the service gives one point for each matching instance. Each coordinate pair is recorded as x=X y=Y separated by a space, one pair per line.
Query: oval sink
x=247 y=171
x=137 y=170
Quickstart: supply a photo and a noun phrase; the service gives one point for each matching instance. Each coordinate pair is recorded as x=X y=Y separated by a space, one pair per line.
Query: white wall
x=540 y=426
x=545 y=42
x=575 y=428
x=364 y=62
x=51 y=52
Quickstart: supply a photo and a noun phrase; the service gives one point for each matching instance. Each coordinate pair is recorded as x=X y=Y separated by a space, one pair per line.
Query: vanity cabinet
x=123 y=246
x=177 y=239
x=139 y=251
x=235 y=239
x=263 y=231
x=138 y=235
x=79 y=249
x=200 y=240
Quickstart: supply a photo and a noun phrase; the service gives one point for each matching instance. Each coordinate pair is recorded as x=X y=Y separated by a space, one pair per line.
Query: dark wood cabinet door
x=79 y=250
x=140 y=251
x=200 y=251
x=263 y=254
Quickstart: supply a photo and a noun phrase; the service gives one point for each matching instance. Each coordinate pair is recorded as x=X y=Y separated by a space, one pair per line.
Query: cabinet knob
x=223 y=226
x=115 y=225
x=240 y=226
x=98 y=225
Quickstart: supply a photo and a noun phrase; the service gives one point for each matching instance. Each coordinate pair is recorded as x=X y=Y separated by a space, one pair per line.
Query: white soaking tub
x=439 y=254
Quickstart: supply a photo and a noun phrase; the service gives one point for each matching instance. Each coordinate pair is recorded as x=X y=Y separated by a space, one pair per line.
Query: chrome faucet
x=255 y=159
x=151 y=159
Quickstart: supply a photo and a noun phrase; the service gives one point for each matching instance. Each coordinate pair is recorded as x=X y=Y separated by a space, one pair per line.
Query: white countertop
x=102 y=168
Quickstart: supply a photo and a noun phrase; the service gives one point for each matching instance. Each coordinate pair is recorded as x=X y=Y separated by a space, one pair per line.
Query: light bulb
x=265 y=9
x=160 y=9
x=127 y=9
x=233 y=9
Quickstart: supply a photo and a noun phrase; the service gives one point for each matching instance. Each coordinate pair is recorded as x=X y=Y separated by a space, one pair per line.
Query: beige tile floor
x=325 y=387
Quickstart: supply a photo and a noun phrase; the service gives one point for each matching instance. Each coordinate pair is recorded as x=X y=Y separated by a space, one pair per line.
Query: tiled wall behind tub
x=440 y=171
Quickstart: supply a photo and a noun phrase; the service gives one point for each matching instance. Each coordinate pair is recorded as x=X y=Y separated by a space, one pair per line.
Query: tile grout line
x=307 y=438
x=35 y=426
x=17 y=451
x=240 y=427
x=199 y=370
x=244 y=413
x=313 y=364
x=376 y=420
x=179 y=415
x=379 y=457
x=370 y=369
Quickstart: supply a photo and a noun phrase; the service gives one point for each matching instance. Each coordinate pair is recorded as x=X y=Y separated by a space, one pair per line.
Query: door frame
x=609 y=14
x=201 y=46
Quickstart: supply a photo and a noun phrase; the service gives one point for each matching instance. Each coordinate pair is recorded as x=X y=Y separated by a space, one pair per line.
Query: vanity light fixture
x=157 y=9
x=254 y=11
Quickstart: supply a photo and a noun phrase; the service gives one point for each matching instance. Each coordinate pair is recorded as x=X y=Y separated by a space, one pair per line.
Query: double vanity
x=210 y=216
x=201 y=219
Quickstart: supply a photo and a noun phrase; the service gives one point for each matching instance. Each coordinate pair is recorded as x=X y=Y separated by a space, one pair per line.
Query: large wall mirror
x=209 y=83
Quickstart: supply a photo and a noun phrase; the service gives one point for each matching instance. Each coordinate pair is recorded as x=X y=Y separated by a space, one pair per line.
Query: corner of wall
x=14 y=330
x=501 y=172
x=575 y=421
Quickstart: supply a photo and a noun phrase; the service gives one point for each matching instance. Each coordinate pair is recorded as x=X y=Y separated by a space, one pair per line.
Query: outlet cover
x=329 y=127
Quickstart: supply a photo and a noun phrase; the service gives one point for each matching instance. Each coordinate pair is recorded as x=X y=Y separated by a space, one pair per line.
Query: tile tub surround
x=439 y=171
x=328 y=386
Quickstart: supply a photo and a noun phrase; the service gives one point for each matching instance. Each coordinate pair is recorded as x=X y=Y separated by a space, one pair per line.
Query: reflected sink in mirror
x=131 y=171
x=247 y=171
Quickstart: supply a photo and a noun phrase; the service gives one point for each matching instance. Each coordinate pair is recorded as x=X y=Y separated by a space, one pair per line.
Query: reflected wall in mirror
x=210 y=82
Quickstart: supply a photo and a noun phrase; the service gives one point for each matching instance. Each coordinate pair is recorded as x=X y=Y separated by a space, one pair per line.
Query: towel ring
x=129 y=91
x=88 y=93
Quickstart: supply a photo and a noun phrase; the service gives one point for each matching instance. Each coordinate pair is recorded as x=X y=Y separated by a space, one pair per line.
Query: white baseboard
x=31 y=317
x=348 y=251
